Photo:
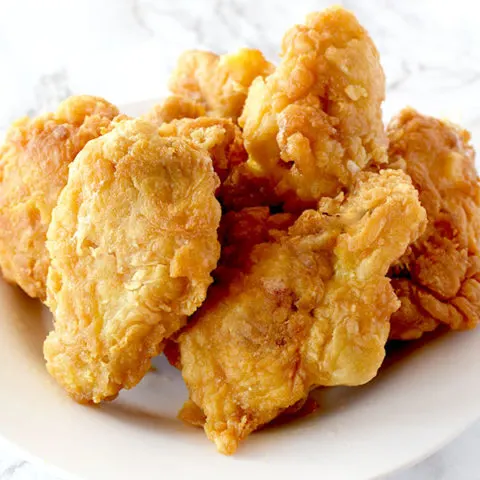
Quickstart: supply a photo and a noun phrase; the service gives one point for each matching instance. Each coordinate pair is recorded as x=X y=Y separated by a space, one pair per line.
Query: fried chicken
x=223 y=140
x=219 y=83
x=316 y=121
x=242 y=188
x=310 y=307
x=238 y=233
x=437 y=281
x=133 y=241
x=241 y=231
x=33 y=170
x=220 y=137
x=174 y=107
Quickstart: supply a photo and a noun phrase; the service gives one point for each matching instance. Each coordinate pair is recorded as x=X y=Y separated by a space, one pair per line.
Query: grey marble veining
x=430 y=51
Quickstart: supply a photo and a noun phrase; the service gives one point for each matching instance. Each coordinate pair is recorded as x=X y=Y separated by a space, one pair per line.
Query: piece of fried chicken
x=316 y=121
x=437 y=281
x=220 y=137
x=239 y=232
x=309 y=308
x=133 y=241
x=34 y=164
x=174 y=107
x=223 y=140
x=219 y=83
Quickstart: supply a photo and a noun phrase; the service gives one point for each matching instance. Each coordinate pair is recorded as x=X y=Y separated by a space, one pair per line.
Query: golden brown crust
x=241 y=231
x=219 y=83
x=238 y=234
x=306 y=307
x=33 y=170
x=133 y=240
x=316 y=121
x=223 y=140
x=174 y=107
x=242 y=188
x=220 y=137
x=437 y=281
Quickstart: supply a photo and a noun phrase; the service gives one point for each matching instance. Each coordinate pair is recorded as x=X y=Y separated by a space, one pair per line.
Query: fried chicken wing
x=33 y=170
x=174 y=107
x=309 y=307
x=316 y=121
x=438 y=280
x=219 y=83
x=133 y=241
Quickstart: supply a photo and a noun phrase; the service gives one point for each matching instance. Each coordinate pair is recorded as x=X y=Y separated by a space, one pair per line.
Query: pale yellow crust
x=438 y=280
x=33 y=170
x=133 y=240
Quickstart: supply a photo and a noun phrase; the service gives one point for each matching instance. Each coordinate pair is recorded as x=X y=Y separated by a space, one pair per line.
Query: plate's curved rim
x=61 y=474
x=444 y=443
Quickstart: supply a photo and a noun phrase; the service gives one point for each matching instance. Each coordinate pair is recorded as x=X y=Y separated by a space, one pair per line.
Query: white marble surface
x=124 y=49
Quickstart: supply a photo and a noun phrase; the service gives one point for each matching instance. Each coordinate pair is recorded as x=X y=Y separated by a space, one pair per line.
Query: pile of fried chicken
x=260 y=226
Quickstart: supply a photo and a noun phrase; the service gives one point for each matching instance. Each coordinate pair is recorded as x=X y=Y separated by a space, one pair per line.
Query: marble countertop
x=124 y=50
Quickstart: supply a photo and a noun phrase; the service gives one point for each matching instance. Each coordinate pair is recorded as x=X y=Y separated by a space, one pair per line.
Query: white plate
x=421 y=399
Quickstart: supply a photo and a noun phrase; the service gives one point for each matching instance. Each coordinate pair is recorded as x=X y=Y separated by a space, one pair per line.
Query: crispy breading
x=223 y=140
x=238 y=233
x=220 y=137
x=310 y=307
x=33 y=170
x=174 y=107
x=133 y=241
x=241 y=231
x=316 y=121
x=219 y=83
x=438 y=279
x=244 y=189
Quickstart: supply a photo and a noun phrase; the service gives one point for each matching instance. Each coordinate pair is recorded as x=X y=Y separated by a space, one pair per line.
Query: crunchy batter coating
x=244 y=189
x=223 y=140
x=133 y=241
x=220 y=137
x=309 y=308
x=238 y=233
x=316 y=121
x=220 y=83
x=33 y=170
x=438 y=279
x=241 y=231
x=174 y=107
